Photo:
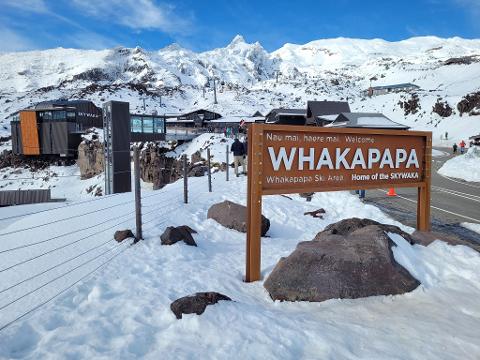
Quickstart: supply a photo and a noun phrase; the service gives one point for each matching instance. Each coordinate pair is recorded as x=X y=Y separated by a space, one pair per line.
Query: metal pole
x=209 y=171
x=138 y=203
x=228 y=164
x=185 y=179
x=214 y=91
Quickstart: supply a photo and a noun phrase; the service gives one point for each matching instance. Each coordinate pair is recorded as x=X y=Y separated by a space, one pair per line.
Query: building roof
x=199 y=110
x=395 y=86
x=366 y=120
x=276 y=111
x=318 y=108
x=257 y=114
x=59 y=103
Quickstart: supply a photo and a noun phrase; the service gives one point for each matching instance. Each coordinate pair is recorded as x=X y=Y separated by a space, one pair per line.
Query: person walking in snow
x=238 y=150
x=462 y=146
x=455 y=148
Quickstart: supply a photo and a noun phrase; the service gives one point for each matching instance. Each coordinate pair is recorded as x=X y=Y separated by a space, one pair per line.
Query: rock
x=90 y=158
x=196 y=304
x=347 y=226
x=157 y=168
x=316 y=213
x=410 y=106
x=121 y=235
x=197 y=170
x=172 y=235
x=307 y=196
x=234 y=216
x=337 y=266
x=442 y=108
x=426 y=238
x=470 y=104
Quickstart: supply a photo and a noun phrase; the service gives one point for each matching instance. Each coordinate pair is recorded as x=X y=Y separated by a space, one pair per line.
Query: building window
x=71 y=115
x=159 y=125
x=59 y=115
x=136 y=123
x=148 y=125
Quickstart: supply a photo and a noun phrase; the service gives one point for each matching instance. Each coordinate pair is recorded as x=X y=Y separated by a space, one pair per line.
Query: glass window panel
x=159 y=126
x=59 y=115
x=71 y=115
x=136 y=123
x=148 y=125
x=47 y=115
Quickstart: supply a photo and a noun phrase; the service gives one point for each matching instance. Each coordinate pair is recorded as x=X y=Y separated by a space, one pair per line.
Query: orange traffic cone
x=391 y=192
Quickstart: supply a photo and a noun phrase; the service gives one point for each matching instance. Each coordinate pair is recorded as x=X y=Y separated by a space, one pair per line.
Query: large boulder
x=173 y=235
x=352 y=264
x=90 y=158
x=196 y=304
x=234 y=216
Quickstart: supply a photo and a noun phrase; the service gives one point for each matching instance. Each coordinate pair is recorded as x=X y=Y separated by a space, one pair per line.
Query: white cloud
x=136 y=14
x=12 y=41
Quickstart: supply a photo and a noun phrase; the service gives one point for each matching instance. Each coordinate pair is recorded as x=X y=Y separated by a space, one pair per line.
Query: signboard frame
x=255 y=189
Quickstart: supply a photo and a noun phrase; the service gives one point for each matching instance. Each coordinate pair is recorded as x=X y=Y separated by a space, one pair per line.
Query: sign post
x=286 y=159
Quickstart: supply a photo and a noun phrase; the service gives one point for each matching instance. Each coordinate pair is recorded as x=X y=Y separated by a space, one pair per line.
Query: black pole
x=138 y=196
x=209 y=171
x=185 y=180
x=228 y=165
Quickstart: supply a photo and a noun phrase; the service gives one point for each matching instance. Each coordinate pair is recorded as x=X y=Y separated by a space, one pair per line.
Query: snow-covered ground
x=465 y=167
x=122 y=311
x=217 y=143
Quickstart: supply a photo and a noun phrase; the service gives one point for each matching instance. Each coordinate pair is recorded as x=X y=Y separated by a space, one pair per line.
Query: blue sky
x=206 y=24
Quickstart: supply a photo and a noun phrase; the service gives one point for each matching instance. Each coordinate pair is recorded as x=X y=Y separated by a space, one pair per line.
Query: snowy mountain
x=249 y=78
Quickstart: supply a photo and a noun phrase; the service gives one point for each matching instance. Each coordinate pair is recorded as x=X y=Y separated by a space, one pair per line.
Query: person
x=245 y=149
x=455 y=148
x=361 y=194
x=446 y=135
x=238 y=154
x=462 y=147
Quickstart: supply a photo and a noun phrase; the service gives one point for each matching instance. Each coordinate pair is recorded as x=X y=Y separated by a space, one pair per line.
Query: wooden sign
x=294 y=159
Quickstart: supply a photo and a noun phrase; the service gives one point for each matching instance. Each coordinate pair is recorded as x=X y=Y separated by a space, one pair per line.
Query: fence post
x=209 y=171
x=138 y=199
x=185 y=179
x=228 y=164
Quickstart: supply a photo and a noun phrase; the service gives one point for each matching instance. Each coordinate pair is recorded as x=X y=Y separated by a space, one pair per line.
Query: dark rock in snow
x=347 y=226
x=121 y=235
x=316 y=213
x=351 y=260
x=173 y=235
x=234 y=216
x=196 y=304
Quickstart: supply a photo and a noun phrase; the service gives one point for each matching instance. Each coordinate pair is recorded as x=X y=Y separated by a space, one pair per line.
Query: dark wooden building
x=286 y=116
x=56 y=127
x=318 y=111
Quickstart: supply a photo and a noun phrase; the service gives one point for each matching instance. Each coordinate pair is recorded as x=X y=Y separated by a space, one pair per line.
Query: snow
x=216 y=142
x=465 y=167
x=122 y=311
x=376 y=121
x=439 y=153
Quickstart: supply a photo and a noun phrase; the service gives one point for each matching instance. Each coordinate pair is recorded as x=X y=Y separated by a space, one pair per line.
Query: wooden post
x=228 y=164
x=423 y=198
x=254 y=202
x=185 y=179
x=138 y=198
x=209 y=171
